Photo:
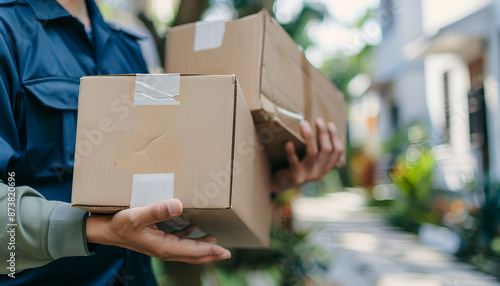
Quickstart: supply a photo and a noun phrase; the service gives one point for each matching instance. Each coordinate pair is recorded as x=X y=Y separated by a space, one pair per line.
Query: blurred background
x=418 y=202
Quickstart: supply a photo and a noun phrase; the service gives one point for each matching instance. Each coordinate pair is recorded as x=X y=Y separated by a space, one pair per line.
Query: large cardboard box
x=145 y=138
x=280 y=85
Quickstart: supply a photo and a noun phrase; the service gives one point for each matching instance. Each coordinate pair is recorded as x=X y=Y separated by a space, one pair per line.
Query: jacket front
x=44 y=52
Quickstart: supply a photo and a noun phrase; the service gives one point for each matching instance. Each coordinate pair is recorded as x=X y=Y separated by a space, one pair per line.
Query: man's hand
x=135 y=229
x=317 y=161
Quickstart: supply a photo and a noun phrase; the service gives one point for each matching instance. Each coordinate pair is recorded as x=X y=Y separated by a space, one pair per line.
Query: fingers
x=207 y=238
x=199 y=260
x=338 y=147
x=291 y=155
x=154 y=213
x=210 y=254
x=196 y=249
x=311 y=145
x=185 y=232
x=326 y=147
x=296 y=174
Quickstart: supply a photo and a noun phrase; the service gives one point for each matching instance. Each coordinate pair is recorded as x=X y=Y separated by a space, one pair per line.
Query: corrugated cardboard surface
x=268 y=65
x=208 y=142
x=243 y=55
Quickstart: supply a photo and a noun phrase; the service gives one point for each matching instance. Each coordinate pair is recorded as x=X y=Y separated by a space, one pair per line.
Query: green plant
x=480 y=233
x=290 y=259
x=412 y=175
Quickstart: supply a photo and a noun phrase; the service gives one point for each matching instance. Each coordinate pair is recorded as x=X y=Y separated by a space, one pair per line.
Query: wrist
x=97 y=230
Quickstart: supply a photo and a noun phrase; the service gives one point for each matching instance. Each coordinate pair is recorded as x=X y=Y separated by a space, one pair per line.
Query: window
x=447 y=107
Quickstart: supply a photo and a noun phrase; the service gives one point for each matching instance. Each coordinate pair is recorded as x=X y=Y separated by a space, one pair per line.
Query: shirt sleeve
x=36 y=231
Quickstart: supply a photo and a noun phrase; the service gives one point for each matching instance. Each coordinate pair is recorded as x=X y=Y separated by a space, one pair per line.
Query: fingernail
x=306 y=126
x=226 y=254
x=174 y=207
x=320 y=122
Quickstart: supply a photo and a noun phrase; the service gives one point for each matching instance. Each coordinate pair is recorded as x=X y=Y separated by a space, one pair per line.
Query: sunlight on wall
x=438 y=14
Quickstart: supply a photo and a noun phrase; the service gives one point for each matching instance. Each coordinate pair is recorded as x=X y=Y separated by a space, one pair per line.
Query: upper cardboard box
x=268 y=65
x=145 y=138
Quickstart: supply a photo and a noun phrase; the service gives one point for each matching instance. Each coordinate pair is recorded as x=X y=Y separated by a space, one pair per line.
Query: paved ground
x=367 y=251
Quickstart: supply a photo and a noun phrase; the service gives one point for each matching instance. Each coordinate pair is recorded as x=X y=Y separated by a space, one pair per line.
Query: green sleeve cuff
x=66 y=234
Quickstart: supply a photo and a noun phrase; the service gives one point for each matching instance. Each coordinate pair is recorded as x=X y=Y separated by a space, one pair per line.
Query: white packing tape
x=290 y=114
x=148 y=189
x=156 y=89
x=208 y=35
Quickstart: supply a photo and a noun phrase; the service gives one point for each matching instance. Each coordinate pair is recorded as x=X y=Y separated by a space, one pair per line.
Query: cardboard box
x=280 y=85
x=145 y=138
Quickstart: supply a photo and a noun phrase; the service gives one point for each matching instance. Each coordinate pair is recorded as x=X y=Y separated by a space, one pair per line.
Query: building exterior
x=439 y=64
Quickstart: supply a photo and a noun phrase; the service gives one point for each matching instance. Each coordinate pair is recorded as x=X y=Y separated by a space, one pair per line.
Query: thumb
x=158 y=212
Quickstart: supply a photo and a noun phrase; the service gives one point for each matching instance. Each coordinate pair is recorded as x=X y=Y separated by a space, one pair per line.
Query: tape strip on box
x=208 y=35
x=158 y=89
x=148 y=189
x=290 y=114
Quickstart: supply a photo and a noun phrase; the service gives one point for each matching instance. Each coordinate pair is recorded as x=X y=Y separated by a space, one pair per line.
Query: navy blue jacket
x=44 y=52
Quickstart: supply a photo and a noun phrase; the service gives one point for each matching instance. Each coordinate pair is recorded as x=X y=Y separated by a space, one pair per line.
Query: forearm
x=40 y=231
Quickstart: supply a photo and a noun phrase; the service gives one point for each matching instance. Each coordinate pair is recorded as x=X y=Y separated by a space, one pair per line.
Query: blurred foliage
x=412 y=175
x=297 y=29
x=331 y=182
x=361 y=169
x=342 y=69
x=414 y=203
x=480 y=233
x=290 y=259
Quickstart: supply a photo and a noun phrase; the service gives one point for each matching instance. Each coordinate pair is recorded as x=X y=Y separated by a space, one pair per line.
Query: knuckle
x=130 y=218
x=292 y=158
x=326 y=149
x=297 y=180
x=333 y=130
x=127 y=215
x=340 y=148
x=313 y=152
x=158 y=211
x=337 y=154
x=332 y=127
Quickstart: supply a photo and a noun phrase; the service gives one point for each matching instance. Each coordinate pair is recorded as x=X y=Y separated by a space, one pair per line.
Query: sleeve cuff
x=66 y=234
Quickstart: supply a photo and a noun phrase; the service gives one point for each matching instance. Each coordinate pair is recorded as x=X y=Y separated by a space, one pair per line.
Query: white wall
x=406 y=26
x=410 y=95
x=459 y=84
x=392 y=64
x=437 y=14
x=492 y=97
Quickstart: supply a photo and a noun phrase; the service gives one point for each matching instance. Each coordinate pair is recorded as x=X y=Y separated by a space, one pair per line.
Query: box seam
x=233 y=149
x=264 y=12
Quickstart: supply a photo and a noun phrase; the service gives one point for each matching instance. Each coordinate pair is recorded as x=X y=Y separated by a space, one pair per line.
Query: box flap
x=248 y=30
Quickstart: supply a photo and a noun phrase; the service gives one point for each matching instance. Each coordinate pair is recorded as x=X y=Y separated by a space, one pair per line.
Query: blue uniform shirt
x=44 y=52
